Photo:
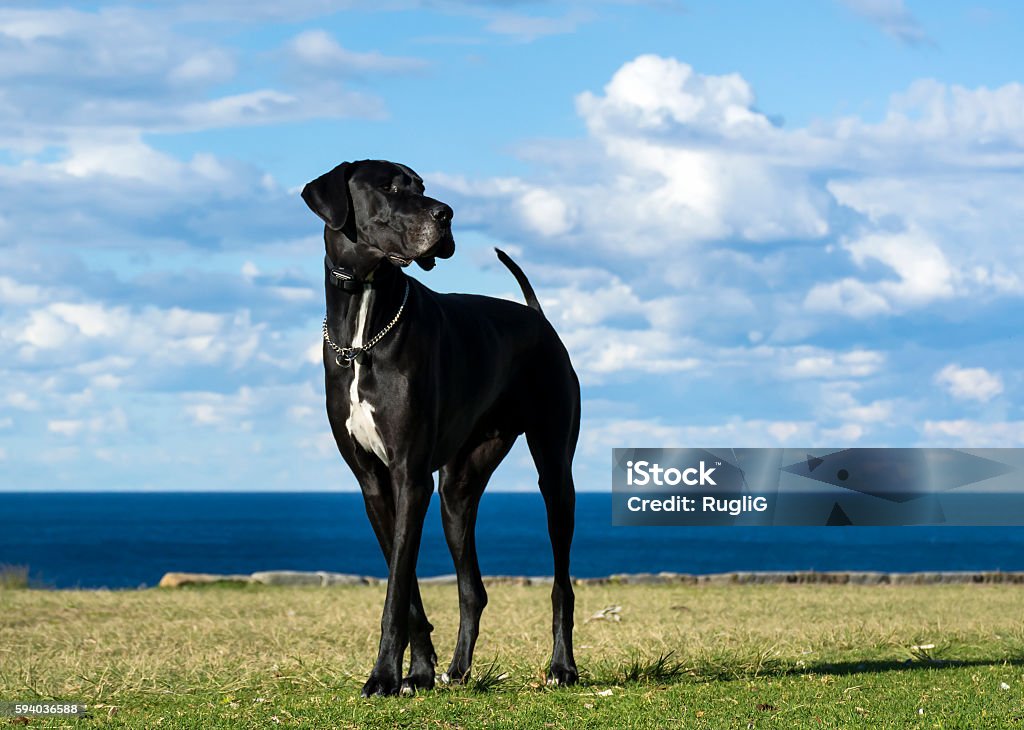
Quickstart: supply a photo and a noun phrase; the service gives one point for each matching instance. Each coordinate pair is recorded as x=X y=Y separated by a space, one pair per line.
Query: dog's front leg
x=412 y=496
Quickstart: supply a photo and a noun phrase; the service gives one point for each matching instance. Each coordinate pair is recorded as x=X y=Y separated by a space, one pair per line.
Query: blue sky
x=750 y=228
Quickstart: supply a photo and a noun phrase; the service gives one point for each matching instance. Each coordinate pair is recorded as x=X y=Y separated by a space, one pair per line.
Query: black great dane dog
x=419 y=382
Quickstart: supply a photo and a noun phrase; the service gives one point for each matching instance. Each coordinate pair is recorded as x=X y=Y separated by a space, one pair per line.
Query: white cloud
x=115 y=191
x=72 y=73
x=67 y=427
x=614 y=328
x=836 y=401
x=656 y=93
x=318 y=48
x=923 y=275
x=205 y=67
x=809 y=362
x=44 y=330
x=680 y=160
x=294 y=293
x=251 y=11
x=107 y=44
x=527 y=28
x=849 y=296
x=978 y=128
x=969 y=383
x=217 y=409
x=22 y=401
x=670 y=134
x=878 y=411
x=941 y=213
x=682 y=176
x=301 y=413
x=107 y=381
x=113 y=420
x=846 y=434
x=600 y=351
x=271 y=106
x=14 y=292
x=575 y=307
x=173 y=336
x=315 y=353
x=891 y=17
x=923 y=271
x=966 y=433
x=127 y=157
x=91 y=320
x=251 y=407
x=546 y=213
x=599 y=437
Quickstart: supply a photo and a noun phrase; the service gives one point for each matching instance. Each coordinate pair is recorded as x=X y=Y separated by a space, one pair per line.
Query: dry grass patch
x=220 y=656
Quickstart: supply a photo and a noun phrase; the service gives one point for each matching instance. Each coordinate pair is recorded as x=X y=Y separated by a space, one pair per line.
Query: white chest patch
x=360 y=417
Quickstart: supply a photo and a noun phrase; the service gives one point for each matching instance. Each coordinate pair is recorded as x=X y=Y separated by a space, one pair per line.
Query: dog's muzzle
x=436 y=234
x=443 y=249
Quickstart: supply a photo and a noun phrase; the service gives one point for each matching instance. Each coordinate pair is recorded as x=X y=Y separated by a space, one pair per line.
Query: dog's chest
x=360 y=423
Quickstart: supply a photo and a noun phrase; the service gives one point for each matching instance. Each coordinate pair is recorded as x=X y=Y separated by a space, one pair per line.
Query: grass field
x=758 y=656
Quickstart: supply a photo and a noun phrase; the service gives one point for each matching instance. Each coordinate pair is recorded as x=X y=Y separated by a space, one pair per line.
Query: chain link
x=351 y=353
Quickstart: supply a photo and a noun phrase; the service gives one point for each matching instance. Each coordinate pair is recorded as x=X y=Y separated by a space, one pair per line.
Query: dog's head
x=380 y=207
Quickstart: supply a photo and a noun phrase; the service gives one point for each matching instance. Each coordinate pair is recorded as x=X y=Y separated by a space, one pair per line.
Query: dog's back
x=516 y=366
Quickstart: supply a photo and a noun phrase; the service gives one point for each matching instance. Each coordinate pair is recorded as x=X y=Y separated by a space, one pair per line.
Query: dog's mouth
x=425 y=262
x=444 y=248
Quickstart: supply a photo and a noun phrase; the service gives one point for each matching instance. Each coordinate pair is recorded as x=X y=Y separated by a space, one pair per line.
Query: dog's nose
x=441 y=213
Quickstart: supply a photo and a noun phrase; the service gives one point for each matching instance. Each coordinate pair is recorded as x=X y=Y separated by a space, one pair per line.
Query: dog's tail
x=524 y=283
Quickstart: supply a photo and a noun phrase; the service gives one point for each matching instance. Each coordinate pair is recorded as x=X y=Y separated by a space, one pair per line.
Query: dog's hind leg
x=552 y=441
x=380 y=508
x=461 y=485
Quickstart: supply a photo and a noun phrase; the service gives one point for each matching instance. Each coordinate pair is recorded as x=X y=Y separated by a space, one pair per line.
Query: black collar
x=342 y=278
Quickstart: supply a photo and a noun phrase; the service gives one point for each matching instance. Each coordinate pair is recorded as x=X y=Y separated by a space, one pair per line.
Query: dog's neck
x=378 y=292
x=361 y=261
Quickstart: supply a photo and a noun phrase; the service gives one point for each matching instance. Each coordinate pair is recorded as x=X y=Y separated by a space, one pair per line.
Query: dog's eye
x=389 y=188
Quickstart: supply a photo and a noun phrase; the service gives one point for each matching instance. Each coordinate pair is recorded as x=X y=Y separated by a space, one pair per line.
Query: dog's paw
x=381 y=684
x=416 y=681
x=562 y=675
x=455 y=675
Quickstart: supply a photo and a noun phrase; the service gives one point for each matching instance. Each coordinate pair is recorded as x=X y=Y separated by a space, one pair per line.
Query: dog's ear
x=328 y=196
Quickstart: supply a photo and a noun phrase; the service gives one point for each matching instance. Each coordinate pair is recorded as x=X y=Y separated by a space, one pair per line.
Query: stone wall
x=323 y=578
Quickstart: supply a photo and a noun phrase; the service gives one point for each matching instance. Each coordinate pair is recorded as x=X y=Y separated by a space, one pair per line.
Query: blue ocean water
x=130 y=540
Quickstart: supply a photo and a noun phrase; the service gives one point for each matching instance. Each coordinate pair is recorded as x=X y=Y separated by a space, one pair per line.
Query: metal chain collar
x=346 y=355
